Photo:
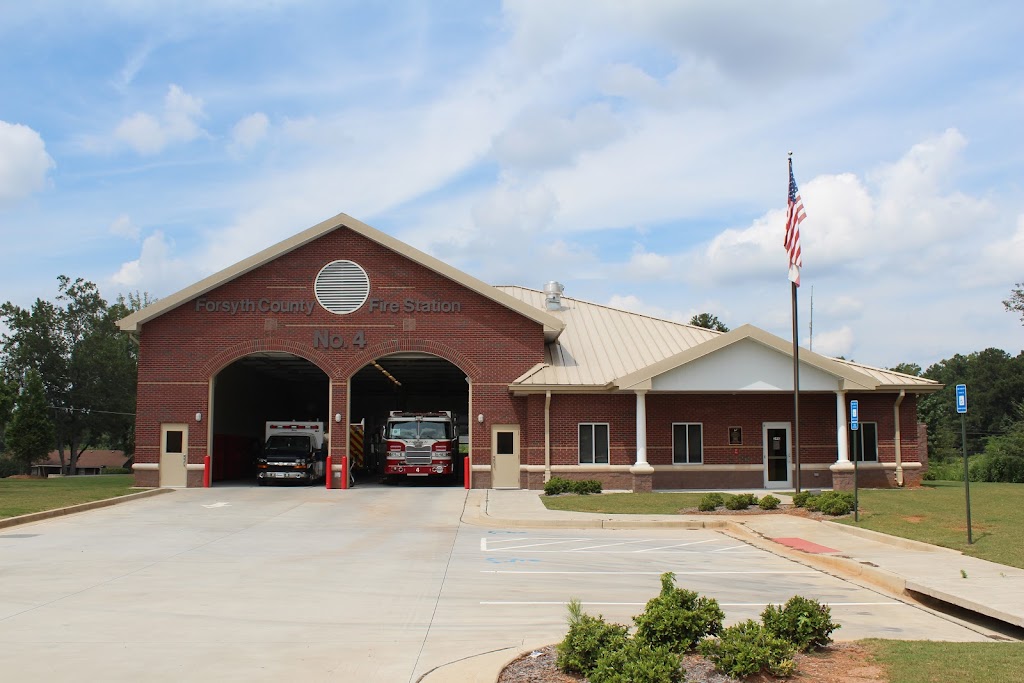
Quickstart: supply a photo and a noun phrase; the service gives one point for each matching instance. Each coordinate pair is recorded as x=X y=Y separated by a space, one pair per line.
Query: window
x=687 y=443
x=593 y=443
x=173 y=441
x=867 y=442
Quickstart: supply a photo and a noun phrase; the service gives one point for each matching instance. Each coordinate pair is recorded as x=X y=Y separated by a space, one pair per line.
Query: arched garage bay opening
x=253 y=390
x=408 y=381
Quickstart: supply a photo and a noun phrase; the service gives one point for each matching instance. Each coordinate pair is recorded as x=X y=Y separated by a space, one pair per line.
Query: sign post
x=855 y=428
x=961 y=407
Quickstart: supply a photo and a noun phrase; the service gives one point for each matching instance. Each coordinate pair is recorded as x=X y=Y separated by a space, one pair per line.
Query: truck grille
x=417 y=455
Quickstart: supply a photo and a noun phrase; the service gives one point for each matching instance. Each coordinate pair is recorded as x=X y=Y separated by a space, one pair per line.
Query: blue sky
x=634 y=151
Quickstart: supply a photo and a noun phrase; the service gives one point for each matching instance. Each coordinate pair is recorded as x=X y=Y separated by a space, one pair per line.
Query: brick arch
x=371 y=353
x=230 y=354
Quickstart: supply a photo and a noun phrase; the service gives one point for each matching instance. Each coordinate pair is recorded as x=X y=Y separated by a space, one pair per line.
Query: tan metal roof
x=600 y=344
x=604 y=348
x=891 y=379
x=552 y=325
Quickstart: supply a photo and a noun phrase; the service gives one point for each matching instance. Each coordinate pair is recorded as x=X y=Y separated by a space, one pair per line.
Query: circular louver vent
x=341 y=287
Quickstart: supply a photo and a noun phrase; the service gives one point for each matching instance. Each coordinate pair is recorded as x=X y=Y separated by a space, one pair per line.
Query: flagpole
x=796 y=391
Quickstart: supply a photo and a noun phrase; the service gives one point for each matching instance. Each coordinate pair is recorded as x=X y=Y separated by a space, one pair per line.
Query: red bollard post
x=207 y=462
x=344 y=471
x=330 y=474
x=467 y=472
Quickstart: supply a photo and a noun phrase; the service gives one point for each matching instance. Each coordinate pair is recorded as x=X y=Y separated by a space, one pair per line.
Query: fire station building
x=342 y=323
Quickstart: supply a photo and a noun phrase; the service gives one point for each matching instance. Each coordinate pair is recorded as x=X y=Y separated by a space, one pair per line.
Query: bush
x=556 y=485
x=800 y=499
x=710 y=501
x=835 y=507
x=587 y=639
x=831 y=502
x=677 y=618
x=637 y=662
x=9 y=466
x=749 y=648
x=804 y=622
x=996 y=467
x=585 y=486
x=116 y=470
x=741 y=501
x=769 y=502
x=945 y=471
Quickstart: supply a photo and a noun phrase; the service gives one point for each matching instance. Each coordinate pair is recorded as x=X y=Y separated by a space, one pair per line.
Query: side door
x=777 y=455
x=173 y=455
x=505 y=456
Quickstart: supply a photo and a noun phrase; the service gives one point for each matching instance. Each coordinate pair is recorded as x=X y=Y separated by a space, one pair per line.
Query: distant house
x=92 y=461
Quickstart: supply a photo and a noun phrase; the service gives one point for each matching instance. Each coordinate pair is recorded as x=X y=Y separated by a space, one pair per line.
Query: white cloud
x=837 y=342
x=148 y=135
x=123 y=227
x=24 y=162
x=645 y=265
x=249 y=131
x=156 y=270
x=541 y=140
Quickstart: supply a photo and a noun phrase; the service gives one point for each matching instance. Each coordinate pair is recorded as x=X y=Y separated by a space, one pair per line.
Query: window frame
x=689 y=459
x=593 y=443
x=862 y=442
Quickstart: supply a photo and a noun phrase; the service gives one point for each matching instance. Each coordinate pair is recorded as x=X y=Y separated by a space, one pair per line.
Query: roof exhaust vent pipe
x=553 y=295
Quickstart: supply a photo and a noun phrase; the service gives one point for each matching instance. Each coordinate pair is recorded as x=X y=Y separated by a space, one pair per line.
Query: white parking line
x=511 y=603
x=609 y=545
x=678 y=545
x=677 y=573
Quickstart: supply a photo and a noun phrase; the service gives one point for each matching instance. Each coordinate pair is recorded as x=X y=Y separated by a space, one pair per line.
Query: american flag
x=794 y=217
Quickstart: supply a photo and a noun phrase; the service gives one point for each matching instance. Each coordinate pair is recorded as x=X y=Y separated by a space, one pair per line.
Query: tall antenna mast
x=810 y=343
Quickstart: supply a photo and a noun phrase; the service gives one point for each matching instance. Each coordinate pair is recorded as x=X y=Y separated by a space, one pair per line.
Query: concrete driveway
x=374 y=584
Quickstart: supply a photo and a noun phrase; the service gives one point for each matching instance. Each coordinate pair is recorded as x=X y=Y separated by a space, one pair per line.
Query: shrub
x=769 y=502
x=710 y=501
x=557 y=485
x=585 y=487
x=637 y=662
x=804 y=622
x=800 y=499
x=116 y=470
x=748 y=648
x=820 y=502
x=835 y=507
x=996 y=467
x=737 y=502
x=677 y=618
x=587 y=639
x=945 y=471
x=9 y=466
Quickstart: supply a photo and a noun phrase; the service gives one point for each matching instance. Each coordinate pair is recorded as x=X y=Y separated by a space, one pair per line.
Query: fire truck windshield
x=412 y=429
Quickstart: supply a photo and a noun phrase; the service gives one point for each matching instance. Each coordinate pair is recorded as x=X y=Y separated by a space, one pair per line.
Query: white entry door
x=778 y=466
x=173 y=455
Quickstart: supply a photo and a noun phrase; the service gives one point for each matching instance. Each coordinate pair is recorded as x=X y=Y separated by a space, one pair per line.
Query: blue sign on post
x=854 y=415
x=961 y=398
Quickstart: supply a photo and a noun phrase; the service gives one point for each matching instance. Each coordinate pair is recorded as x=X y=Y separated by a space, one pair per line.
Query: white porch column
x=842 y=423
x=641 y=427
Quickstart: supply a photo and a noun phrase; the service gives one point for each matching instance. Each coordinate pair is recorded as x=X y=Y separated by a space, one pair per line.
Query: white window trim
x=860 y=444
x=687 y=464
x=593 y=454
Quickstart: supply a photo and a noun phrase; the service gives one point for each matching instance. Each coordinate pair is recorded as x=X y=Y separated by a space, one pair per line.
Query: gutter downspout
x=547 y=436
x=896 y=437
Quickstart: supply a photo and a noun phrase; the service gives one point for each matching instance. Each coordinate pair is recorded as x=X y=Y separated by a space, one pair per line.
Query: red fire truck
x=420 y=444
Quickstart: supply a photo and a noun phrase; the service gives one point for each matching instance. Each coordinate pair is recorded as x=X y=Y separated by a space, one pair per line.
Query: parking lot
x=379 y=584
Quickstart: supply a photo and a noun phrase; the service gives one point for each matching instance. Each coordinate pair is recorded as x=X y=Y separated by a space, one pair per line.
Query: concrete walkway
x=898 y=566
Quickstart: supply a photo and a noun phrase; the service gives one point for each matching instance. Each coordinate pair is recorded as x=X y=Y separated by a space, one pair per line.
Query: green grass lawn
x=936 y=513
x=914 y=661
x=625 y=503
x=22 y=496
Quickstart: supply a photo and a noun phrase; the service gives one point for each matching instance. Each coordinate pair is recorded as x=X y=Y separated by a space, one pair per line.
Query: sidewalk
x=896 y=565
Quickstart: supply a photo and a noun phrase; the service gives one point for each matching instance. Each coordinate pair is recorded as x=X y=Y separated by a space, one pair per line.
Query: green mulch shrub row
x=679 y=622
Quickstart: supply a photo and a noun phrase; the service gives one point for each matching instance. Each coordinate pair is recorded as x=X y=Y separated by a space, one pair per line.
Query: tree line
x=67 y=377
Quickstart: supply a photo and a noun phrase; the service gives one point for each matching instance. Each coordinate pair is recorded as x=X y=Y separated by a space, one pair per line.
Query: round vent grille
x=341 y=287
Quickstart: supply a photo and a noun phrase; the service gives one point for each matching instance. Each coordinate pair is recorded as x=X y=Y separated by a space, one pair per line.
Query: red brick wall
x=183 y=348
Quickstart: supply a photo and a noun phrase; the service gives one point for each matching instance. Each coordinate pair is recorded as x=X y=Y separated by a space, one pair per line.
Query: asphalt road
x=372 y=584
